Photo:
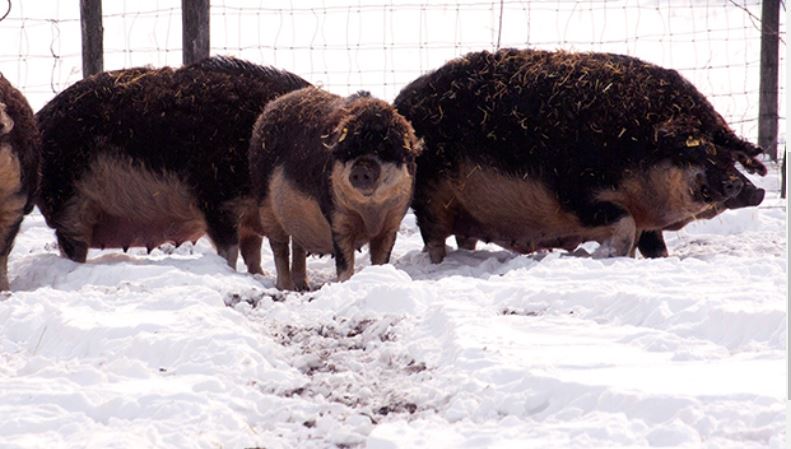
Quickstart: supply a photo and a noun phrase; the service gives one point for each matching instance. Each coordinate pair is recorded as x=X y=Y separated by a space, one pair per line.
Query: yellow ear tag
x=344 y=131
x=692 y=142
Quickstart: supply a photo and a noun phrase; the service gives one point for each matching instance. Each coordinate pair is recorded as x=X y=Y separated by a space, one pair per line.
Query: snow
x=487 y=350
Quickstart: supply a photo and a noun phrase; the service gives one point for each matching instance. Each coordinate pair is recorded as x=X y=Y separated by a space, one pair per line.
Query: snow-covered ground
x=487 y=350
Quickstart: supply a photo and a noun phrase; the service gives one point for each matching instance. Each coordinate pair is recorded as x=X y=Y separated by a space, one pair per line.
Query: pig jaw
x=660 y=196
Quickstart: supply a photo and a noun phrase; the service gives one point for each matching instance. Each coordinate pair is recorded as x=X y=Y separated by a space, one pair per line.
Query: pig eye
x=705 y=193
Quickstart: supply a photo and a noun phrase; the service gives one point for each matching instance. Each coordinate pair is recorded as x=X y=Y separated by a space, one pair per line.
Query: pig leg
x=72 y=249
x=436 y=250
x=435 y=230
x=652 y=244
x=435 y=211
x=230 y=253
x=74 y=228
x=250 y=247
x=222 y=230
x=8 y=243
x=250 y=239
x=343 y=250
x=4 y=284
x=621 y=239
x=299 y=274
x=278 y=241
x=619 y=228
x=279 y=245
x=12 y=203
x=465 y=242
x=381 y=246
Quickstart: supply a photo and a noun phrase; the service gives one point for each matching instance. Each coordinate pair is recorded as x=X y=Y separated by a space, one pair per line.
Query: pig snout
x=749 y=196
x=756 y=197
x=364 y=174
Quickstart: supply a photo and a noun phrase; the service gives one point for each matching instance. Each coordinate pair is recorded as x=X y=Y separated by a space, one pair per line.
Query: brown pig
x=145 y=156
x=19 y=168
x=331 y=173
x=536 y=149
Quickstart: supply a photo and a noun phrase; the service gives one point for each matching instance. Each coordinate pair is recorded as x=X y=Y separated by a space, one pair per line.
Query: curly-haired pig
x=536 y=149
x=144 y=156
x=331 y=173
x=19 y=168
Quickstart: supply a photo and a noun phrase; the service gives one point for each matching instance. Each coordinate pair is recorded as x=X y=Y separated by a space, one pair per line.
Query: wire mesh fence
x=380 y=46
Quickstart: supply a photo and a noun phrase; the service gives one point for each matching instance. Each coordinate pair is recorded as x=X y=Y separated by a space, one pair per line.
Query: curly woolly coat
x=578 y=124
x=145 y=131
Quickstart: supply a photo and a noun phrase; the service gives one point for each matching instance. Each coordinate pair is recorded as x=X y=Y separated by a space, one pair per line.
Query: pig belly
x=519 y=240
x=122 y=232
x=311 y=231
x=133 y=206
x=299 y=215
x=517 y=213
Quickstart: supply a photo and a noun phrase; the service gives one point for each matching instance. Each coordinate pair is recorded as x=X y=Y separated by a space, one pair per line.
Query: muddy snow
x=487 y=350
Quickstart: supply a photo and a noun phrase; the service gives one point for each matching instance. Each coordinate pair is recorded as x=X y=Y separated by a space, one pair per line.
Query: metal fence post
x=768 y=97
x=195 y=30
x=92 y=37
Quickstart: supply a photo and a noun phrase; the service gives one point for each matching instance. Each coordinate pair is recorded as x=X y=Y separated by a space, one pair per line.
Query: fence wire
x=381 y=46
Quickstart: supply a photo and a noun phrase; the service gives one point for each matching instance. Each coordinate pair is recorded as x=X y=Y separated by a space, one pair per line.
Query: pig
x=144 y=156
x=536 y=149
x=331 y=173
x=20 y=146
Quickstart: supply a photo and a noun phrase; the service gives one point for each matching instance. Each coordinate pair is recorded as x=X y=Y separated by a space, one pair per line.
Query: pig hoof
x=345 y=276
x=612 y=249
x=73 y=250
x=580 y=252
x=467 y=243
x=436 y=253
x=230 y=253
x=284 y=285
x=604 y=251
x=256 y=272
x=620 y=242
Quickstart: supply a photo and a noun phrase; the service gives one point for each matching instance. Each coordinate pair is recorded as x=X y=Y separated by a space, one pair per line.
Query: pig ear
x=744 y=152
x=750 y=163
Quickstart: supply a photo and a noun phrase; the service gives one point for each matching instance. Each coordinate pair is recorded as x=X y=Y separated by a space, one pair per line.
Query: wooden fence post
x=195 y=30
x=768 y=96
x=92 y=37
x=783 y=176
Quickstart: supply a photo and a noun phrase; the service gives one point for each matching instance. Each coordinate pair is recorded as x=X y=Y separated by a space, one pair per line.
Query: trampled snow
x=487 y=350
